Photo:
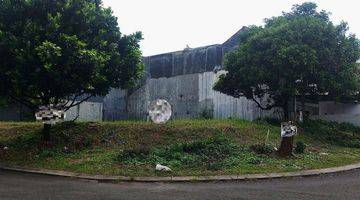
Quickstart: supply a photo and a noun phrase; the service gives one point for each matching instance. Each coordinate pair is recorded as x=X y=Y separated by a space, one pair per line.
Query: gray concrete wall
x=340 y=112
x=225 y=106
x=15 y=112
x=190 y=95
x=115 y=105
x=86 y=111
x=185 y=79
x=180 y=91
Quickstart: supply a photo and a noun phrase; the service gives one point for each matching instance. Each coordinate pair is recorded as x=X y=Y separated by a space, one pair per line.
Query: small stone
x=6 y=148
x=162 y=168
x=324 y=154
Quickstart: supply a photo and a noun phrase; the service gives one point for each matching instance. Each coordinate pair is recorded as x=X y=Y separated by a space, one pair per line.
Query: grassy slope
x=93 y=147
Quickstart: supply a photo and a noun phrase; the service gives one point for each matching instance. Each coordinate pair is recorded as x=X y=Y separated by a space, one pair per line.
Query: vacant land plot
x=188 y=147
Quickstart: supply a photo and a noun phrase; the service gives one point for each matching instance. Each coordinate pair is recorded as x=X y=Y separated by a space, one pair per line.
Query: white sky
x=169 y=25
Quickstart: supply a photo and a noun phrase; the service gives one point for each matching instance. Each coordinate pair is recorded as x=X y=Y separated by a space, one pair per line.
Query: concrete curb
x=104 y=178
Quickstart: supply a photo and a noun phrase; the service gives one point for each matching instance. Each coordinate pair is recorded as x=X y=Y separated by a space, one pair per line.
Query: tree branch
x=267 y=107
x=73 y=101
x=24 y=102
x=78 y=103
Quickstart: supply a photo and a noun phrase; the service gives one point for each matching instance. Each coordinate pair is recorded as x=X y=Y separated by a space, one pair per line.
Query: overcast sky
x=170 y=25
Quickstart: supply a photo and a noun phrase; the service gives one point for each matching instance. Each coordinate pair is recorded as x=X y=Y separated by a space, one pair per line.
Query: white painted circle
x=160 y=111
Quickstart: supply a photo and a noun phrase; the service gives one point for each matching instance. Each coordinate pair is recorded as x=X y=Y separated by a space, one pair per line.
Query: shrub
x=268 y=120
x=140 y=152
x=206 y=114
x=209 y=153
x=254 y=160
x=262 y=149
x=47 y=153
x=26 y=141
x=300 y=147
x=342 y=134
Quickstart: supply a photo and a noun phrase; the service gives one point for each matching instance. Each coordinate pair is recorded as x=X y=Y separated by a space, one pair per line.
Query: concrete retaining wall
x=180 y=91
x=192 y=95
x=340 y=112
x=15 y=112
x=115 y=105
x=225 y=106
x=86 y=111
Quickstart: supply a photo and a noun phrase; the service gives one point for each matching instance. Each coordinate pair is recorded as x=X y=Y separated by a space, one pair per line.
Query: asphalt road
x=28 y=186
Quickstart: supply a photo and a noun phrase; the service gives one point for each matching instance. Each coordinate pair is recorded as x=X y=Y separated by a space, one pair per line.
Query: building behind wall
x=185 y=79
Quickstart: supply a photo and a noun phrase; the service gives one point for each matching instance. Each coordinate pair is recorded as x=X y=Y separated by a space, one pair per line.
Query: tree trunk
x=286 y=147
x=46 y=132
x=287 y=143
x=286 y=111
x=303 y=103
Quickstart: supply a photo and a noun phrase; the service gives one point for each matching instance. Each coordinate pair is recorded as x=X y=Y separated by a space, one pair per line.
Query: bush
x=254 y=160
x=342 y=134
x=206 y=114
x=300 y=147
x=140 y=152
x=209 y=153
x=264 y=149
x=26 y=141
x=268 y=120
x=47 y=153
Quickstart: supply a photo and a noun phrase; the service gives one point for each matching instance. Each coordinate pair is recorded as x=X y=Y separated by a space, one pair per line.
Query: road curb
x=104 y=178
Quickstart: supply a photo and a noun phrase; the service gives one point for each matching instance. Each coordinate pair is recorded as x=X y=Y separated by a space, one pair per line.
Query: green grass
x=189 y=147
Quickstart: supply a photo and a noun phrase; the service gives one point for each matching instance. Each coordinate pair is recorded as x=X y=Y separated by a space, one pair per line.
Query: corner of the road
x=105 y=178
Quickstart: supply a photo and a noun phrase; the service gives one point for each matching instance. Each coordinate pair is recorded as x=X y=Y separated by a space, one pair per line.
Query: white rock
x=162 y=168
x=6 y=148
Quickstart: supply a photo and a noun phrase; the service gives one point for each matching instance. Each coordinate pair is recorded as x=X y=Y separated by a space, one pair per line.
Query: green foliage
x=140 y=153
x=55 y=50
x=3 y=101
x=269 y=120
x=26 y=141
x=206 y=114
x=254 y=160
x=189 y=147
x=298 y=53
x=48 y=153
x=209 y=153
x=342 y=134
x=75 y=137
x=65 y=137
x=300 y=147
x=262 y=149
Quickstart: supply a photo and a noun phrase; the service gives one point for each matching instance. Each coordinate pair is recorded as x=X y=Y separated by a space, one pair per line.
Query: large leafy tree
x=298 y=53
x=63 y=52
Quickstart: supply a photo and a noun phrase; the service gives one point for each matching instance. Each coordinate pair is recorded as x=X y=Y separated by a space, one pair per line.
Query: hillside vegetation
x=189 y=147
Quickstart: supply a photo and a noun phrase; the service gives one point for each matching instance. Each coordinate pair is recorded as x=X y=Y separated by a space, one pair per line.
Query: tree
x=63 y=52
x=298 y=53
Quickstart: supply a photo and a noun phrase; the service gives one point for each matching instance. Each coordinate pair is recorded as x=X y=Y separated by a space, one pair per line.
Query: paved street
x=27 y=186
